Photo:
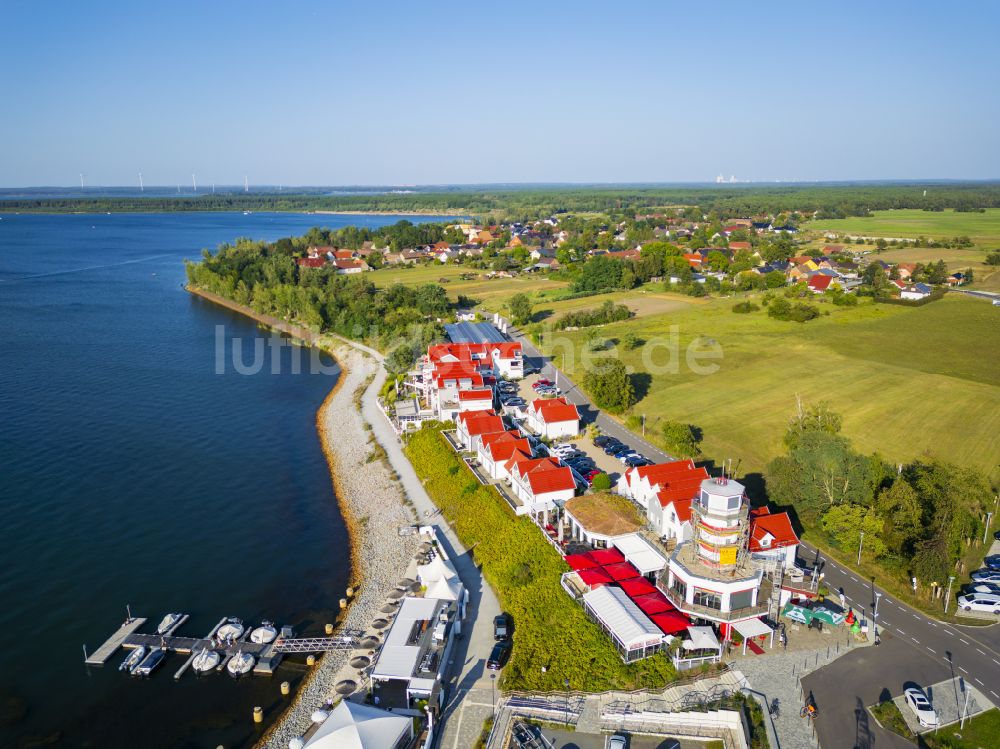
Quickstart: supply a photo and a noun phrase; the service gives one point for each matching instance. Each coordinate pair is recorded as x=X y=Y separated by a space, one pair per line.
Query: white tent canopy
x=637 y=550
x=436 y=569
x=702 y=638
x=445 y=589
x=751 y=628
x=622 y=617
x=355 y=726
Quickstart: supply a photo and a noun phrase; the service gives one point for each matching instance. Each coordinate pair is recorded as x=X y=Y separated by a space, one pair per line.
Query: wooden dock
x=100 y=656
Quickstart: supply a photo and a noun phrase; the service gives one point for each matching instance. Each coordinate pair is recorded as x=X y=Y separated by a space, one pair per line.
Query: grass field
x=983 y=228
x=979 y=732
x=481 y=288
x=909 y=382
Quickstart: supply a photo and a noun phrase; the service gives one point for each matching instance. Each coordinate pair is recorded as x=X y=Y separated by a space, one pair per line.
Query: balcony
x=706 y=612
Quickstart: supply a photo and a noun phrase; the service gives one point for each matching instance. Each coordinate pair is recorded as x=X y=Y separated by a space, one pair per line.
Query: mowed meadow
x=909 y=382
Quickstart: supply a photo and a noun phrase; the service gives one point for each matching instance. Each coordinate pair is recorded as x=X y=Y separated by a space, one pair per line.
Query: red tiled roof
x=516 y=459
x=465 y=352
x=349 y=264
x=658 y=471
x=554 y=410
x=544 y=480
x=820 y=283
x=504 y=449
x=694 y=259
x=483 y=425
x=476 y=395
x=344 y=254
x=681 y=506
x=739 y=245
x=778 y=525
x=311 y=262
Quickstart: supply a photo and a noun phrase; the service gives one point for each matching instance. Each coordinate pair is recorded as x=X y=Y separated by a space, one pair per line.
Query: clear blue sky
x=329 y=93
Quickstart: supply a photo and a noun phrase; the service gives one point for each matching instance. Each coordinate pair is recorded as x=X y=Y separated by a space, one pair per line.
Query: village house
x=553 y=418
x=820 y=283
x=538 y=483
x=350 y=266
x=496 y=449
x=916 y=292
x=664 y=492
x=471 y=426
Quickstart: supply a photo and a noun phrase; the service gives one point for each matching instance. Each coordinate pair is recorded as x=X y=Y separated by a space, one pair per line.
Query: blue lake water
x=133 y=473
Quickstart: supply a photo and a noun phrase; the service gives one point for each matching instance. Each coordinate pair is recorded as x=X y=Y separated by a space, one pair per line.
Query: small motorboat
x=264 y=634
x=168 y=622
x=205 y=661
x=149 y=663
x=232 y=630
x=133 y=659
x=241 y=663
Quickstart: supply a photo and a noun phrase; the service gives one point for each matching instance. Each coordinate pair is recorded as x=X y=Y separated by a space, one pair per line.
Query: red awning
x=621 y=571
x=595 y=576
x=639 y=586
x=580 y=561
x=671 y=622
x=653 y=603
x=607 y=556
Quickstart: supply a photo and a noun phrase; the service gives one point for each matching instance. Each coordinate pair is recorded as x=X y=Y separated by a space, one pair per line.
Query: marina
x=229 y=646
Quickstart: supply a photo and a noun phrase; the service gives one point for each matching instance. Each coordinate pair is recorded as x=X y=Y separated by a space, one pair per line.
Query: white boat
x=233 y=629
x=241 y=663
x=167 y=622
x=149 y=663
x=133 y=659
x=264 y=634
x=205 y=661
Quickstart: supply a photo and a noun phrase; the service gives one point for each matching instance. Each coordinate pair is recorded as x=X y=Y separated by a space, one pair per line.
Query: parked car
x=634 y=461
x=515 y=401
x=602 y=440
x=623 y=452
x=987 y=602
x=996 y=536
x=541 y=382
x=616 y=741
x=591 y=475
x=563 y=447
x=983 y=588
x=921 y=707
x=612 y=447
x=501 y=627
x=498 y=658
x=986 y=576
x=992 y=562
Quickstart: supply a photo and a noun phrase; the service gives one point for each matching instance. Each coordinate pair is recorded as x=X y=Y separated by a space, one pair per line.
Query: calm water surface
x=133 y=474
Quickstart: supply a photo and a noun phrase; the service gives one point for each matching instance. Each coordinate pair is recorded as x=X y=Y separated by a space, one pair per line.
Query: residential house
x=772 y=537
x=351 y=266
x=819 y=283
x=739 y=246
x=496 y=449
x=473 y=425
x=916 y=292
x=542 y=252
x=665 y=491
x=553 y=418
x=539 y=483
x=475 y=399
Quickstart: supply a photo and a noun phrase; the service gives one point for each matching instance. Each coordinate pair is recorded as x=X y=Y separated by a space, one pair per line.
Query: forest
x=529 y=202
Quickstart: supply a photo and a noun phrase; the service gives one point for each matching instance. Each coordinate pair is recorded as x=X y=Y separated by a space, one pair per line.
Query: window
x=734 y=503
x=708 y=599
x=679 y=587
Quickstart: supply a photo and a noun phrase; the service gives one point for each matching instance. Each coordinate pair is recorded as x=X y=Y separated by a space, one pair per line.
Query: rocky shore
x=372 y=503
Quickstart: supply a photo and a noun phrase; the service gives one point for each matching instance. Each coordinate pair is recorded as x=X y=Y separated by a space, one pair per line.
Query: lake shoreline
x=366 y=489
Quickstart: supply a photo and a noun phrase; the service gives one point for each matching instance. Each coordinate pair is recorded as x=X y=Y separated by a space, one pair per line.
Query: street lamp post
x=493 y=681
x=861 y=544
x=878 y=596
x=986 y=532
x=947 y=596
x=566 y=684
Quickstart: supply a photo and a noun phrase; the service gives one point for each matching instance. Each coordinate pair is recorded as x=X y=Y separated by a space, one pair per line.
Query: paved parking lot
x=606 y=463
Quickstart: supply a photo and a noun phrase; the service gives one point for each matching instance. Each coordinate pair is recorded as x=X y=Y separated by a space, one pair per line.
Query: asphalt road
x=971 y=653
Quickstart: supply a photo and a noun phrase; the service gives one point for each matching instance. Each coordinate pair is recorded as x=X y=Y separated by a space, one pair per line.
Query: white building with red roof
x=538 y=483
x=473 y=425
x=772 y=537
x=553 y=418
x=496 y=449
x=665 y=491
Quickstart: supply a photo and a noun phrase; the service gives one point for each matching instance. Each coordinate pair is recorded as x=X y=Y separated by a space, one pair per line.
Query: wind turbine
x=141 y=189
x=194 y=182
x=81 y=181
x=246 y=184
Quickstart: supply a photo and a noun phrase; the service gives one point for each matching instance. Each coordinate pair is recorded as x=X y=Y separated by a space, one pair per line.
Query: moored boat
x=241 y=663
x=264 y=634
x=133 y=659
x=232 y=630
x=150 y=663
x=167 y=622
x=205 y=661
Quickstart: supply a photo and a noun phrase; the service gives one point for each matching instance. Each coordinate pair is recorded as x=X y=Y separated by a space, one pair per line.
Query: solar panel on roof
x=474 y=332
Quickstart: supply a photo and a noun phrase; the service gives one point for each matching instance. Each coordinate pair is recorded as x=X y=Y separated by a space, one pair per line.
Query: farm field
x=983 y=228
x=907 y=381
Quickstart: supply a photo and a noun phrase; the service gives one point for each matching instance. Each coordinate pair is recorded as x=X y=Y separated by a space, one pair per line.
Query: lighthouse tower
x=721 y=517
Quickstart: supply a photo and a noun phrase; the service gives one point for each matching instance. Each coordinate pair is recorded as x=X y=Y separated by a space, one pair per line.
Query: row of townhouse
x=346 y=262
x=506 y=455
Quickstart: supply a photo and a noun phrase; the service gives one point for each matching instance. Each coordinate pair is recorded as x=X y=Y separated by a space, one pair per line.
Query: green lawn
x=981 y=732
x=480 y=287
x=908 y=381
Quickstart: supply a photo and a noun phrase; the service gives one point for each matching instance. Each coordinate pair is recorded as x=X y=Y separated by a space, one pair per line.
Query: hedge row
x=550 y=629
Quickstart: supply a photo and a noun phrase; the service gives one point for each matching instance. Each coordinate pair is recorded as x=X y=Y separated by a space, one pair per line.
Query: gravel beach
x=373 y=506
